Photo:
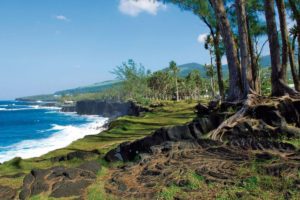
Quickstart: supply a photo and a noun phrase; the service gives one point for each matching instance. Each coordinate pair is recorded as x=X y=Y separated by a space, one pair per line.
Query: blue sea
x=30 y=130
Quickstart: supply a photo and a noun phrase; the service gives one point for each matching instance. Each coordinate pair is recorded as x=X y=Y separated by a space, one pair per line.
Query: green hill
x=94 y=88
x=97 y=87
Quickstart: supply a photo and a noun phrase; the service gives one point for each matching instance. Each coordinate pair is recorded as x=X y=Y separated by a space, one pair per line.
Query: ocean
x=30 y=130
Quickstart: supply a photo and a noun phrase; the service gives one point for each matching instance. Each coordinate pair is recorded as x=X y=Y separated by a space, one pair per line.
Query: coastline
x=120 y=130
x=61 y=135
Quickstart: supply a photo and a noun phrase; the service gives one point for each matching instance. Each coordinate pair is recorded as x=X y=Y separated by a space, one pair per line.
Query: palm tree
x=173 y=67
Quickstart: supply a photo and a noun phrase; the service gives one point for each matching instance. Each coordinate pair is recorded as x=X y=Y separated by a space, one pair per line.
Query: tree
x=256 y=28
x=247 y=78
x=284 y=38
x=173 y=67
x=159 y=82
x=206 y=13
x=287 y=50
x=193 y=84
x=134 y=80
x=279 y=88
x=210 y=72
x=296 y=30
x=235 y=82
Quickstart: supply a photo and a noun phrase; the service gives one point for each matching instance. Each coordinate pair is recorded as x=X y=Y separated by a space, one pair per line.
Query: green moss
x=169 y=193
x=195 y=181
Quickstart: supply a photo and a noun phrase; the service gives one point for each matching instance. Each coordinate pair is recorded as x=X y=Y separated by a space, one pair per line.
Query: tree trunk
x=212 y=80
x=219 y=64
x=177 y=93
x=293 y=68
x=279 y=88
x=284 y=38
x=235 y=83
x=299 y=52
x=254 y=64
x=247 y=79
x=296 y=14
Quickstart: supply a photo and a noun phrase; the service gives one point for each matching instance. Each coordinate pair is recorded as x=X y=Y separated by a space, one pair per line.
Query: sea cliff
x=105 y=108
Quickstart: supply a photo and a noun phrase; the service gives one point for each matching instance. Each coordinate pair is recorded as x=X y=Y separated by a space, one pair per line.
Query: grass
x=127 y=128
x=169 y=193
x=252 y=184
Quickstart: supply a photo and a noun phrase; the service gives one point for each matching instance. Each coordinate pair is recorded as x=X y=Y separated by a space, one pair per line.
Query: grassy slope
x=126 y=128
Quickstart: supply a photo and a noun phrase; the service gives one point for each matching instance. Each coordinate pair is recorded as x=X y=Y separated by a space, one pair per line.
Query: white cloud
x=202 y=37
x=135 y=7
x=62 y=18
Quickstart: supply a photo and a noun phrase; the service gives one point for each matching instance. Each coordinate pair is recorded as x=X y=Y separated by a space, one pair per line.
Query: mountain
x=97 y=87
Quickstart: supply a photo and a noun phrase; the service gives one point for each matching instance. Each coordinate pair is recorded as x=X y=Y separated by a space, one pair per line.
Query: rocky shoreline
x=104 y=108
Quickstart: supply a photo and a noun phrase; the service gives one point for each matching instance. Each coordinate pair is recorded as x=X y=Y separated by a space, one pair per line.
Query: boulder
x=81 y=155
x=108 y=108
x=59 y=181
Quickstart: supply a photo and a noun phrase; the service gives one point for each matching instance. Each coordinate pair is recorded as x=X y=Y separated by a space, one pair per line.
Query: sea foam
x=62 y=137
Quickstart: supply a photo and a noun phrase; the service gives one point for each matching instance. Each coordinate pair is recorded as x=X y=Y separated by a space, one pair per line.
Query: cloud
x=62 y=18
x=202 y=37
x=135 y=7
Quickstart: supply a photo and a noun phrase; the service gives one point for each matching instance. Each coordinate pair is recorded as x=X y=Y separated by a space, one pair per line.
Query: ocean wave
x=35 y=107
x=63 y=136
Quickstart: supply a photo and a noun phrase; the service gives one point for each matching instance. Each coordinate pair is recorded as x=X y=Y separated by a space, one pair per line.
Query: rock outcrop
x=68 y=109
x=79 y=154
x=189 y=132
x=105 y=108
x=59 y=182
x=7 y=193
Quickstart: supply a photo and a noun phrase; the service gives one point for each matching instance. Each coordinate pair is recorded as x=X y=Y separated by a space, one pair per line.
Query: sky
x=51 y=45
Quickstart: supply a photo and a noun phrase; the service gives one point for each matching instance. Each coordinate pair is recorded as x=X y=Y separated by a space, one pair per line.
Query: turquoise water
x=29 y=130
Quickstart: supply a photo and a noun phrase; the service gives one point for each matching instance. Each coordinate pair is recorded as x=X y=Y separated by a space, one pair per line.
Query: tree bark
x=279 y=88
x=177 y=93
x=293 y=68
x=253 y=57
x=247 y=78
x=284 y=38
x=218 y=59
x=296 y=13
x=235 y=83
x=219 y=64
x=299 y=52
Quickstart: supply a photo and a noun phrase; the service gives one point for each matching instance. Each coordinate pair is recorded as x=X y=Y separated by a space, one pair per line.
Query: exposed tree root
x=248 y=108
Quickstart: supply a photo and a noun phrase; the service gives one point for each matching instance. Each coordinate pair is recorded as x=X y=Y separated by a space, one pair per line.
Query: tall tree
x=235 y=82
x=247 y=75
x=284 y=38
x=279 y=88
x=287 y=50
x=294 y=5
x=173 y=67
x=204 y=10
x=256 y=28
